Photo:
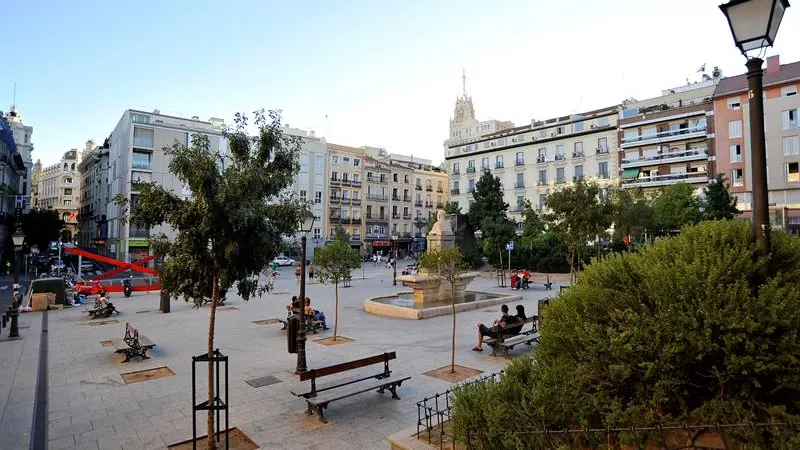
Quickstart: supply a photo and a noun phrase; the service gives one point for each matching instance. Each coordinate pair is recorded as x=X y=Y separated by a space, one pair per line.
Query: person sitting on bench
x=501 y=323
x=294 y=308
x=526 y=279
x=315 y=314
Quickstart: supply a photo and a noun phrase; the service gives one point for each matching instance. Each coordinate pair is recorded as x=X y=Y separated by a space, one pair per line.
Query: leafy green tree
x=683 y=332
x=41 y=227
x=448 y=266
x=488 y=196
x=334 y=263
x=497 y=232
x=451 y=207
x=532 y=226
x=676 y=207
x=633 y=214
x=233 y=223
x=719 y=203
x=577 y=214
x=341 y=234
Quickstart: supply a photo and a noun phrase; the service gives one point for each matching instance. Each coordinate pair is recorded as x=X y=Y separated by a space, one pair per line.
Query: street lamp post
x=19 y=238
x=301 y=331
x=754 y=25
x=394 y=260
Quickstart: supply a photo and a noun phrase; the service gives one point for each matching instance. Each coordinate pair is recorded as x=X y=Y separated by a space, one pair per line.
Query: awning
x=629 y=174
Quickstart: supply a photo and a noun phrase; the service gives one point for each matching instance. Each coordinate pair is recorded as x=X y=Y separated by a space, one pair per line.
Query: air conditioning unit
x=593 y=126
x=552 y=134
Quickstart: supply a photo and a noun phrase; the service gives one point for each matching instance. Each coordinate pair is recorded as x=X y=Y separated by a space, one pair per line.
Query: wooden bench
x=503 y=343
x=133 y=344
x=319 y=396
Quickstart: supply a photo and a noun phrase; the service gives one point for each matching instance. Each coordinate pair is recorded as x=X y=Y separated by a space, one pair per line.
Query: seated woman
x=315 y=314
x=516 y=322
x=294 y=308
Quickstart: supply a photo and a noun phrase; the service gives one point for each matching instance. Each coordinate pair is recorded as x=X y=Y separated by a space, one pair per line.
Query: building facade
x=136 y=154
x=11 y=169
x=782 y=133
x=36 y=176
x=345 y=199
x=533 y=160
x=93 y=201
x=59 y=188
x=669 y=139
x=23 y=140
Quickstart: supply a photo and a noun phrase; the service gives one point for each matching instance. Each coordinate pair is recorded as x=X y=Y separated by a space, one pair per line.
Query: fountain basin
x=403 y=306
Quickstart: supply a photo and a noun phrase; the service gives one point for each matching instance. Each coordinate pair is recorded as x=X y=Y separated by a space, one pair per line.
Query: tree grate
x=263 y=381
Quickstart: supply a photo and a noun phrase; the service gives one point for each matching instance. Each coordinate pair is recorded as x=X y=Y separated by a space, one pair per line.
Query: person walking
x=311 y=272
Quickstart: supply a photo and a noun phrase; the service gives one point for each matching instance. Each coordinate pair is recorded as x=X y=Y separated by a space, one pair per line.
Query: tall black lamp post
x=754 y=25
x=394 y=260
x=301 y=331
x=19 y=238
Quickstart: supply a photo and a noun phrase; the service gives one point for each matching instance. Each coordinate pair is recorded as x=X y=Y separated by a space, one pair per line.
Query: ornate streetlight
x=19 y=238
x=307 y=218
x=394 y=260
x=754 y=25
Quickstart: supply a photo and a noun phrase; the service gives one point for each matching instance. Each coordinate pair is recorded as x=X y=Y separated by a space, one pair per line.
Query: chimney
x=773 y=64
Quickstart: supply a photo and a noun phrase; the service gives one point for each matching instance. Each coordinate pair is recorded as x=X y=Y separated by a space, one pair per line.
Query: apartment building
x=346 y=187
x=22 y=135
x=781 y=113
x=136 y=153
x=533 y=160
x=668 y=139
x=93 y=200
x=10 y=171
x=376 y=205
x=311 y=183
x=36 y=176
x=59 y=186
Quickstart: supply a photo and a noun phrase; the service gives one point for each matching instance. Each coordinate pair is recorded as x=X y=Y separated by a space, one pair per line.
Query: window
x=356 y=162
x=789 y=119
x=68 y=180
x=67 y=202
x=735 y=129
x=577 y=126
x=736 y=153
x=559 y=130
x=470 y=185
x=520 y=180
x=319 y=162
x=356 y=194
x=602 y=170
x=498 y=161
x=485 y=163
x=455 y=185
x=602 y=144
x=737 y=177
x=334 y=175
x=317 y=233
x=346 y=160
x=335 y=159
x=560 y=175
x=456 y=170
x=520 y=159
x=303 y=195
x=790 y=147
x=542 y=201
x=67 y=191
x=318 y=197
x=578 y=172
x=356 y=178
x=560 y=152
x=486 y=144
x=543 y=176
x=501 y=141
x=734 y=103
x=143 y=137
x=141 y=160
x=793 y=172
x=140 y=118
x=630 y=135
x=520 y=202
x=406 y=180
x=788 y=91
x=395 y=177
x=578 y=150
x=602 y=121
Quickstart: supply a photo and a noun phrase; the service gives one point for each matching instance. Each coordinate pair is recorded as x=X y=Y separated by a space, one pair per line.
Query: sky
x=385 y=74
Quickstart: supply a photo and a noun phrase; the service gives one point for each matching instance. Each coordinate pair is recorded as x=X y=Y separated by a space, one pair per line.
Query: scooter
x=127 y=288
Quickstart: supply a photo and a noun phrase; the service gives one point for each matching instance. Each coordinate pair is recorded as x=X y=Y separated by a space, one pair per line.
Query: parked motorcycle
x=127 y=288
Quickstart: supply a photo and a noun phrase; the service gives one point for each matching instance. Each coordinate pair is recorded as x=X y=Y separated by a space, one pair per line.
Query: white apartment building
x=533 y=160
x=22 y=137
x=92 y=219
x=136 y=153
x=59 y=186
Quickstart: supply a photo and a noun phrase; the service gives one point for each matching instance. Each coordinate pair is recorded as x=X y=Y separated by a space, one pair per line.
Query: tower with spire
x=464 y=112
x=22 y=137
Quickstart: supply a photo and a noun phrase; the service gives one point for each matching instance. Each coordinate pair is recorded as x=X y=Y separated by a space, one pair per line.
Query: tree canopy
x=719 y=204
x=41 y=227
x=675 y=207
x=632 y=212
x=488 y=200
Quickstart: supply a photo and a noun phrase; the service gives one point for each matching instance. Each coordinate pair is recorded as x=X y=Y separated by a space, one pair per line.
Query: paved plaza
x=91 y=407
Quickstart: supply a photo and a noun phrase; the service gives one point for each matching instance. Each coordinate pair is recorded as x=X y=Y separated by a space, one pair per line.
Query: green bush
x=682 y=332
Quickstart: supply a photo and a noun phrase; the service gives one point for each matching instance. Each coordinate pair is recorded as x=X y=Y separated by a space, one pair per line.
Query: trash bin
x=164 y=301
x=293 y=325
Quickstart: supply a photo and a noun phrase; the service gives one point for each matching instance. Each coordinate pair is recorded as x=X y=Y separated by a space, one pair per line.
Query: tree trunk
x=336 y=312
x=211 y=439
x=572 y=267
x=453 y=349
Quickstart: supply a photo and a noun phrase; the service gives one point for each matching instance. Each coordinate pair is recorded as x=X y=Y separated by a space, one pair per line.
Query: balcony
x=418 y=187
x=355 y=221
x=407 y=199
x=356 y=236
x=429 y=204
x=335 y=199
x=407 y=216
x=429 y=188
x=693 y=154
x=454 y=191
x=561 y=180
x=603 y=175
x=382 y=219
x=601 y=150
x=439 y=189
x=395 y=215
x=406 y=234
x=577 y=178
x=456 y=172
x=499 y=166
x=378 y=197
x=577 y=154
x=356 y=201
x=345 y=200
x=541 y=183
x=335 y=182
x=376 y=236
x=519 y=163
x=439 y=205
x=345 y=182
x=356 y=183
x=377 y=180
x=519 y=208
x=335 y=219
x=418 y=203
x=560 y=157
x=665 y=180
x=470 y=170
x=665 y=136
x=519 y=185
x=541 y=158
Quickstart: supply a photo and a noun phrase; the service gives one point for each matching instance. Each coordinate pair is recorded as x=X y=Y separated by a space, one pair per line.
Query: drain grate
x=266 y=321
x=103 y=322
x=263 y=381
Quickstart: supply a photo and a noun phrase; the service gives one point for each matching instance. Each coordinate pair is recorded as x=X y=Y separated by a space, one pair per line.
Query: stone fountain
x=430 y=289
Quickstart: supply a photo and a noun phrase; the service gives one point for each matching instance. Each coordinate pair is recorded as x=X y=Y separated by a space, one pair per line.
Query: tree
x=334 y=263
x=233 y=223
x=451 y=207
x=448 y=266
x=41 y=227
x=676 y=207
x=719 y=204
x=577 y=214
x=497 y=232
x=488 y=196
x=341 y=234
x=633 y=214
x=532 y=226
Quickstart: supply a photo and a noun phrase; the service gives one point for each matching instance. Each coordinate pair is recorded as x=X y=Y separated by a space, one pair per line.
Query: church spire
x=464 y=81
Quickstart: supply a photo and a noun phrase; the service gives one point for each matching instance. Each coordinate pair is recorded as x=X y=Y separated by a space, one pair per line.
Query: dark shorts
x=485 y=331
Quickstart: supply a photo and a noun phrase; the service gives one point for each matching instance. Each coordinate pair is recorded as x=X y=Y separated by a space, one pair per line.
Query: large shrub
x=683 y=332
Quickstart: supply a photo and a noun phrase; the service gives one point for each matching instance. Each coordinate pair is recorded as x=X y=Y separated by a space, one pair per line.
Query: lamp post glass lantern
x=754 y=25
x=394 y=260
x=18 y=238
x=301 y=330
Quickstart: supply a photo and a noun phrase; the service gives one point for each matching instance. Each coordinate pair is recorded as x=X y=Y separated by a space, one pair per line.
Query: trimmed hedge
x=682 y=332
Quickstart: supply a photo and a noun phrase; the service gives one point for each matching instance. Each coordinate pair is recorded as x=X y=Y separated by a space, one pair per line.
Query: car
x=284 y=261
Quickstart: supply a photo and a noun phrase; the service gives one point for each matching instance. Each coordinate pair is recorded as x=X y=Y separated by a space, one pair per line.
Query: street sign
x=510 y=246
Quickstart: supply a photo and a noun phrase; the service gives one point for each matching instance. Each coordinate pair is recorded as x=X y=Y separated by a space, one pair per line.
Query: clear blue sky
x=385 y=73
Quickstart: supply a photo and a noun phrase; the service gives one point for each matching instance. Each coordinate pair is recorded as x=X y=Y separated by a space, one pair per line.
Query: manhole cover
x=106 y=343
x=143 y=311
x=263 y=381
x=266 y=321
x=147 y=375
x=103 y=322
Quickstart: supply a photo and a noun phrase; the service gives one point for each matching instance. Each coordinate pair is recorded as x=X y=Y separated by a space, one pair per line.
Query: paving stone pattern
x=90 y=407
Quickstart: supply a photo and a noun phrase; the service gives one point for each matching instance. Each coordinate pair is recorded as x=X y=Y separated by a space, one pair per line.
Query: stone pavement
x=91 y=407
